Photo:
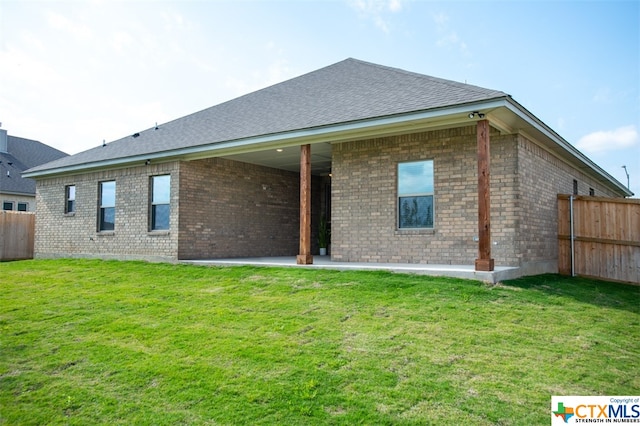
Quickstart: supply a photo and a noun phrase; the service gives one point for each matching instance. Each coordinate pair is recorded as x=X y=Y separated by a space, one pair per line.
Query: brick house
x=407 y=168
x=17 y=155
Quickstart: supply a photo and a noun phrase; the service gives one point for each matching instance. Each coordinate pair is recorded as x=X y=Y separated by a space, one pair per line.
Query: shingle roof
x=348 y=91
x=21 y=155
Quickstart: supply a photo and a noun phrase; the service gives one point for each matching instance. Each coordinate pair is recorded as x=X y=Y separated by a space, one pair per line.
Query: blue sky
x=74 y=73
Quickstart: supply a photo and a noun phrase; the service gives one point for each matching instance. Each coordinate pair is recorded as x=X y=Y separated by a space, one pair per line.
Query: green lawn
x=93 y=342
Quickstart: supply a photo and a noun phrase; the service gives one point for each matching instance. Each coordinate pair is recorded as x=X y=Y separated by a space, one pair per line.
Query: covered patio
x=500 y=273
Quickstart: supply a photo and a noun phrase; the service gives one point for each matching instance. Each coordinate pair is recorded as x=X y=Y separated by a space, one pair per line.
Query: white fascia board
x=19 y=194
x=535 y=122
x=85 y=167
x=346 y=131
x=329 y=133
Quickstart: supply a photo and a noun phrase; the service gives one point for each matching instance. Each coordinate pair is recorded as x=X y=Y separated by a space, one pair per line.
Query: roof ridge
x=445 y=82
x=350 y=90
x=448 y=82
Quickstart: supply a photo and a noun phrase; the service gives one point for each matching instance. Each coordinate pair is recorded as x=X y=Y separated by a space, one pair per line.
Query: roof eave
x=18 y=193
x=455 y=115
x=433 y=118
x=538 y=125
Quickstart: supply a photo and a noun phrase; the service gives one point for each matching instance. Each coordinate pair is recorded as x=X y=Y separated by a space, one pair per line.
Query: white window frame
x=69 y=198
x=102 y=206
x=406 y=191
x=154 y=203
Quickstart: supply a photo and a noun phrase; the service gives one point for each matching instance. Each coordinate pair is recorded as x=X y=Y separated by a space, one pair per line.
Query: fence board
x=606 y=237
x=17 y=230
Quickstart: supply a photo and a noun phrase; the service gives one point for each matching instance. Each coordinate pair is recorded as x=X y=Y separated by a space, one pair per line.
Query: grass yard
x=105 y=342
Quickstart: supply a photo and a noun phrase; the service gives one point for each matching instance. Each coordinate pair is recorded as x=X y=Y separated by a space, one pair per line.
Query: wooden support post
x=305 y=257
x=484 y=261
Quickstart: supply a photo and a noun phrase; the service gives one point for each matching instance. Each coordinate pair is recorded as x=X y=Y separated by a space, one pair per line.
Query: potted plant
x=324 y=235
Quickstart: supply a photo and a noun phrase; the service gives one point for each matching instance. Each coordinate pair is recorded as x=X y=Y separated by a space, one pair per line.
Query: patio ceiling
x=288 y=158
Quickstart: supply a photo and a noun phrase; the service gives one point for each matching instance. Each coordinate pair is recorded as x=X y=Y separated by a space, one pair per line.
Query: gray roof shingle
x=21 y=155
x=348 y=91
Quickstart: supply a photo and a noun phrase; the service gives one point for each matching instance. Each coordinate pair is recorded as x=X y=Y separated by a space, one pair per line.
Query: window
x=575 y=187
x=415 y=194
x=7 y=205
x=23 y=207
x=160 y=198
x=107 y=213
x=70 y=199
x=592 y=192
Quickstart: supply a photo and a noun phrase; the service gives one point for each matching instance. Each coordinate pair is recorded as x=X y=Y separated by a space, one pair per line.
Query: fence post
x=571 y=236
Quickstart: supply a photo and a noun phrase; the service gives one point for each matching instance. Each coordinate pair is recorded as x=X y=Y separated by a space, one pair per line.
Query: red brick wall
x=234 y=209
x=223 y=208
x=364 y=214
x=525 y=181
x=219 y=208
x=75 y=235
x=542 y=177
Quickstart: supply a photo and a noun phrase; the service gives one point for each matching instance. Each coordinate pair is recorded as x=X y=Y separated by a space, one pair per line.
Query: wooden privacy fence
x=606 y=237
x=17 y=231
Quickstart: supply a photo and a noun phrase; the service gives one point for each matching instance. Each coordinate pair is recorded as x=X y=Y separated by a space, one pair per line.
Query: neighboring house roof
x=344 y=101
x=21 y=155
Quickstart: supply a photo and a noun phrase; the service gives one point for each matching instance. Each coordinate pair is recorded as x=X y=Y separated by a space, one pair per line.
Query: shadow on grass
x=585 y=290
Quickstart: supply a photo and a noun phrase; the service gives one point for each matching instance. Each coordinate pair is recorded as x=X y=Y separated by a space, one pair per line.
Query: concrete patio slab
x=500 y=273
